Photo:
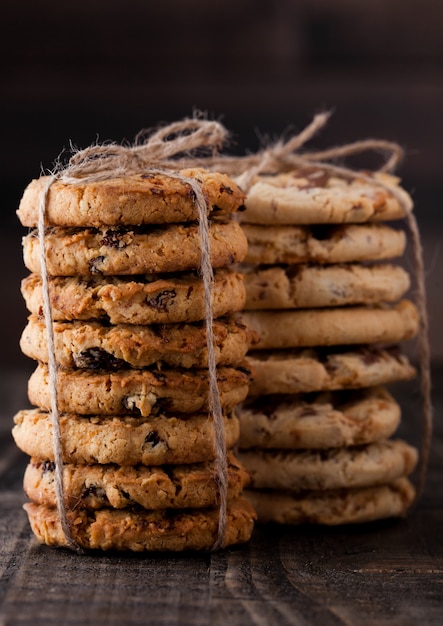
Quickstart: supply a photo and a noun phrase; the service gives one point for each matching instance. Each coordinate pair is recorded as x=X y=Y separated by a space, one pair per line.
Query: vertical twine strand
x=52 y=366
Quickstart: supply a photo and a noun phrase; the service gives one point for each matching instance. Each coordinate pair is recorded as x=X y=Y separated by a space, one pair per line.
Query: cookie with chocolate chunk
x=269 y=245
x=137 y=392
x=149 y=299
x=94 y=345
x=333 y=506
x=313 y=286
x=317 y=421
x=372 y=464
x=160 y=487
x=312 y=195
x=149 y=198
x=140 y=530
x=123 y=440
x=314 y=369
x=125 y=250
x=334 y=326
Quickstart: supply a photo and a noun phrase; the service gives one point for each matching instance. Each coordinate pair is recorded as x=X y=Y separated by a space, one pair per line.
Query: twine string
x=52 y=366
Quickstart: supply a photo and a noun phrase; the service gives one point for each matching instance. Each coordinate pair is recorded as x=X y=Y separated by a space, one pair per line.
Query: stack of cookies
x=127 y=299
x=329 y=307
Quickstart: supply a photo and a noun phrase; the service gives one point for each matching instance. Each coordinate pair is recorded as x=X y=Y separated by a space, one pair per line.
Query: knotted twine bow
x=159 y=154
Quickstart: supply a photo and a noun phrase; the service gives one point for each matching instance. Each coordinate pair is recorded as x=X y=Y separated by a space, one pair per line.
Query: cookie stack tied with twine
x=328 y=304
x=133 y=304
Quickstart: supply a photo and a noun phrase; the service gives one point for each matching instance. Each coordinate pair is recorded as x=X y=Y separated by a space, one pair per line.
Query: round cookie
x=334 y=468
x=312 y=195
x=122 y=440
x=122 y=250
x=315 y=369
x=318 y=421
x=305 y=286
x=152 y=299
x=93 y=345
x=270 y=245
x=141 y=530
x=149 y=198
x=159 y=487
x=139 y=392
x=334 y=326
x=333 y=507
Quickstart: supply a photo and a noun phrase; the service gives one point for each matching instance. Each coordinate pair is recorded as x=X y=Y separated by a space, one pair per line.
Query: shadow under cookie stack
x=127 y=299
x=328 y=305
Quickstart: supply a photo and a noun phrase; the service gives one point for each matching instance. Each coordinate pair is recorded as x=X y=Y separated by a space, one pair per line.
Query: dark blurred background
x=81 y=71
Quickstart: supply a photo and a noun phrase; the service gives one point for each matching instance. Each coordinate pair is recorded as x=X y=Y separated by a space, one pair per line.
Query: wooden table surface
x=388 y=572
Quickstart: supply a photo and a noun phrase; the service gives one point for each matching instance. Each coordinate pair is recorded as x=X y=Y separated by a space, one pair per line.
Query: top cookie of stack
x=326 y=306
x=123 y=257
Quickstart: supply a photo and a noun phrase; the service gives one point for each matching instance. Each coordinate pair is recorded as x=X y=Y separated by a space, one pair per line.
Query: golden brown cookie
x=312 y=195
x=142 y=530
x=317 y=421
x=334 y=326
x=376 y=463
x=93 y=345
x=333 y=506
x=313 y=286
x=124 y=250
x=123 y=440
x=269 y=245
x=315 y=369
x=150 y=198
x=137 y=392
x=150 y=299
x=157 y=487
